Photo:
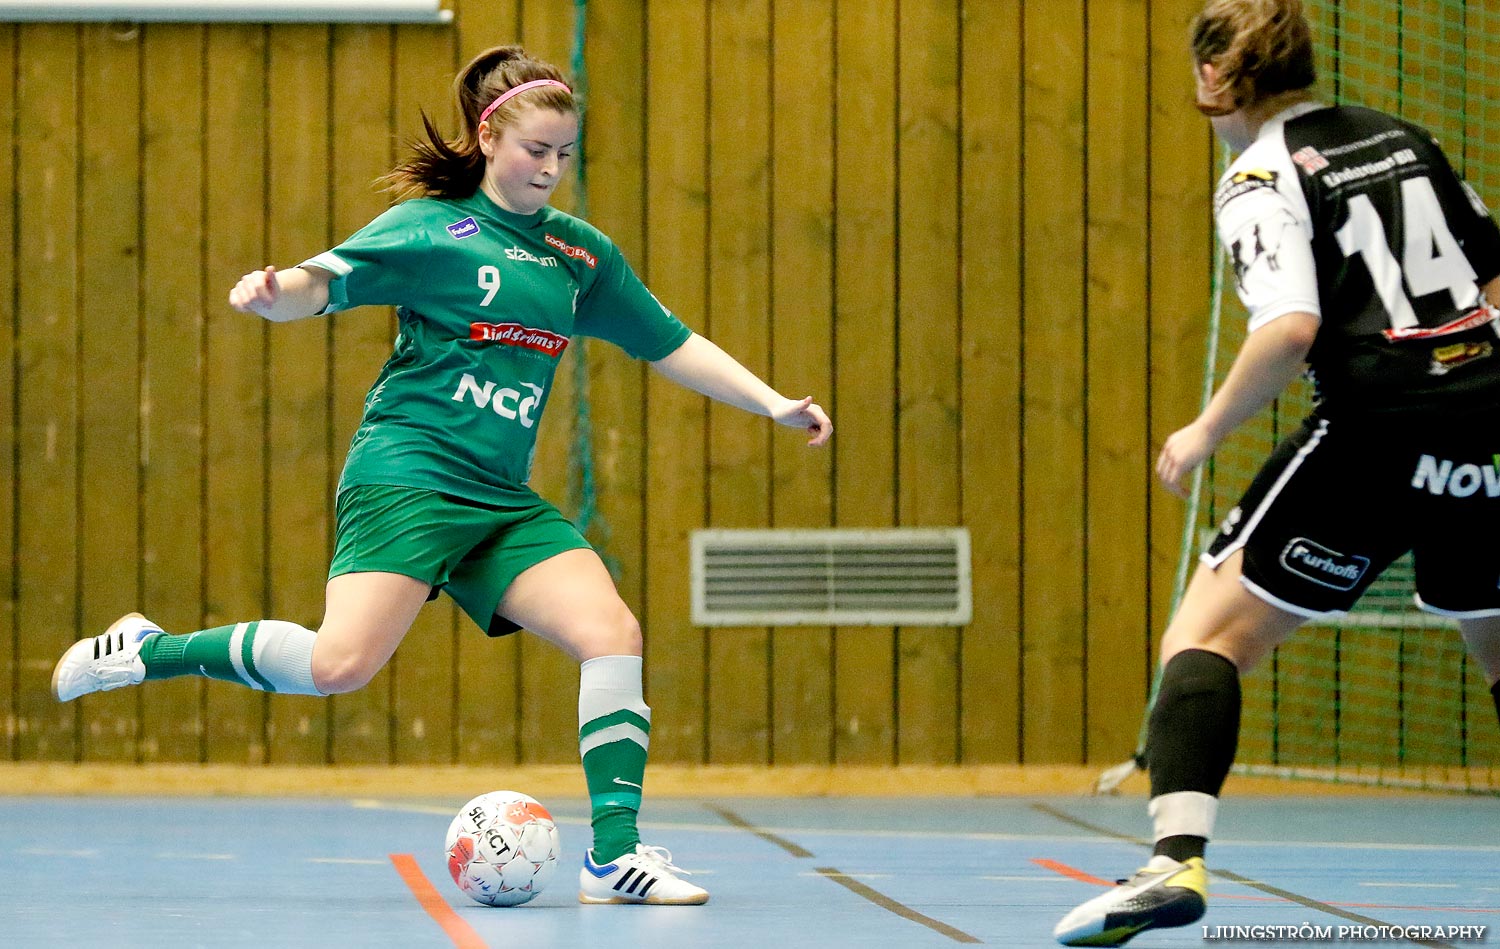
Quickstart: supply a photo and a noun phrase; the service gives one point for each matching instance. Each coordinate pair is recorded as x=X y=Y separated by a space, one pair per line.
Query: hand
x=1185 y=450
x=806 y=414
x=257 y=292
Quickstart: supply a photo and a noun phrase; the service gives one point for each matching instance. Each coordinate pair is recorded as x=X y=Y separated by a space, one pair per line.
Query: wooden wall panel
x=300 y=453
x=864 y=352
x=676 y=189
x=1117 y=359
x=990 y=371
x=739 y=248
x=801 y=183
x=46 y=333
x=927 y=419
x=109 y=377
x=234 y=378
x=1053 y=402
x=9 y=471
x=172 y=378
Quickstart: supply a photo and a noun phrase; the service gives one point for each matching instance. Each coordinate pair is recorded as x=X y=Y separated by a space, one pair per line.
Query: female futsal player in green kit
x=490 y=284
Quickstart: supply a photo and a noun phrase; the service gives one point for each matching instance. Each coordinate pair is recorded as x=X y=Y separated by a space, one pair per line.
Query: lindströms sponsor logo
x=1323 y=566
x=1442 y=476
x=468 y=227
x=504 y=402
x=568 y=250
x=514 y=334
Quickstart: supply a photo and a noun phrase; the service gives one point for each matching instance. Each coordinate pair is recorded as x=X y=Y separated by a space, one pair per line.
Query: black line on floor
x=900 y=909
x=730 y=817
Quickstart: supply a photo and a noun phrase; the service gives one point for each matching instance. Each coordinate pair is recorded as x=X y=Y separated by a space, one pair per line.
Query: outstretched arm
x=1271 y=358
x=703 y=367
x=281 y=296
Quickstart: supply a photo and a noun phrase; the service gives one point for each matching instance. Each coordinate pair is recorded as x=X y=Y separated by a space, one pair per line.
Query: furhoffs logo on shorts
x=468 y=227
x=1317 y=563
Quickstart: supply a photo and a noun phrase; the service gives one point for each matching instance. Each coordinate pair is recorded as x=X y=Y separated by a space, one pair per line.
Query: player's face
x=525 y=159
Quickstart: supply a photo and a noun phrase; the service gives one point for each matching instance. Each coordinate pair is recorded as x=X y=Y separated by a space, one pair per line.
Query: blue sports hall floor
x=908 y=871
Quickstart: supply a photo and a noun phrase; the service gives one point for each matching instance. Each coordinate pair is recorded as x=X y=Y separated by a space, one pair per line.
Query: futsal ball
x=502 y=848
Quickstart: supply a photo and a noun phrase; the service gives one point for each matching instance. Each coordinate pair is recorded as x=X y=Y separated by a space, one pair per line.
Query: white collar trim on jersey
x=1273 y=125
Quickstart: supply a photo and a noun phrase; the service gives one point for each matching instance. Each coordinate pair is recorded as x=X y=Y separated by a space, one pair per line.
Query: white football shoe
x=646 y=876
x=110 y=660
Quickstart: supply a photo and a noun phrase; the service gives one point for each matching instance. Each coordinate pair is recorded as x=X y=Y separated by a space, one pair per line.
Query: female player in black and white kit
x=1360 y=254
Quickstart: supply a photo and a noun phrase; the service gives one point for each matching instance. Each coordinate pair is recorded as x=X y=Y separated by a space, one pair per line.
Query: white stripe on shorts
x=1265 y=502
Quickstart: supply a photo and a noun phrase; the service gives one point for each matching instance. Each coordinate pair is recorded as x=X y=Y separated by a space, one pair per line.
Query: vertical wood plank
x=802 y=138
x=927 y=423
x=1053 y=441
x=299 y=447
x=990 y=369
x=172 y=371
x=9 y=476
x=1181 y=251
x=864 y=450
x=46 y=340
x=361 y=338
x=423 y=704
x=109 y=368
x=549 y=729
x=234 y=378
x=1117 y=300
x=676 y=236
x=738 y=303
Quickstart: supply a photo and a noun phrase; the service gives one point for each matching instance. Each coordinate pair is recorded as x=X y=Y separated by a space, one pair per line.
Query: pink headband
x=517 y=90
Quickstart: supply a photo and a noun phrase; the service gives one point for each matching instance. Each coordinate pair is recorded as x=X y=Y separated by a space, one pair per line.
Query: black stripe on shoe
x=626 y=878
x=647 y=888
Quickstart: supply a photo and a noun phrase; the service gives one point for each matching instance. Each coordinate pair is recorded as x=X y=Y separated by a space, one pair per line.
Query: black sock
x=1193 y=733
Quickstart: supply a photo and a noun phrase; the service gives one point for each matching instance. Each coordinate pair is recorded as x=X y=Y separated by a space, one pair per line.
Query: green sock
x=266 y=655
x=613 y=734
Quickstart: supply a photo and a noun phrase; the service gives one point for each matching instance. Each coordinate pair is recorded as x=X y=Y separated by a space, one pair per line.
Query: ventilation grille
x=893 y=577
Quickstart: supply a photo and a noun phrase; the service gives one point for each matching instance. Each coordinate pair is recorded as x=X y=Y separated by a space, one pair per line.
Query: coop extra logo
x=568 y=250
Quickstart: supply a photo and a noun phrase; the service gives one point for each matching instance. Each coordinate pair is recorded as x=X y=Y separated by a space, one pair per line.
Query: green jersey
x=487 y=301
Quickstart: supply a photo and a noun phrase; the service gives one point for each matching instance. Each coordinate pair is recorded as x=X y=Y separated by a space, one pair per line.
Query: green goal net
x=1387 y=696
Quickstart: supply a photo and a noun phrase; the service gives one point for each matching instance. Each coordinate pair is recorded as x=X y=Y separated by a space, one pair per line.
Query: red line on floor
x=462 y=934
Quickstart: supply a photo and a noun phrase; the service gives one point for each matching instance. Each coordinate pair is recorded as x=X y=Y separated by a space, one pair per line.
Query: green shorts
x=471 y=550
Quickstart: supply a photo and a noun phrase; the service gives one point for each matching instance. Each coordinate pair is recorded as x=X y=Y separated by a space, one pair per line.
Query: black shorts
x=1337 y=502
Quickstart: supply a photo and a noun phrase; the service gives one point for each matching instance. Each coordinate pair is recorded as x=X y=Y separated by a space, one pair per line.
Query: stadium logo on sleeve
x=1242 y=183
x=468 y=227
x=568 y=250
x=1322 y=566
x=514 y=334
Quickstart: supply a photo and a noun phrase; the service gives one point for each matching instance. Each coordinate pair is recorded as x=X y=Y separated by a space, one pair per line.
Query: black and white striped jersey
x=1358 y=218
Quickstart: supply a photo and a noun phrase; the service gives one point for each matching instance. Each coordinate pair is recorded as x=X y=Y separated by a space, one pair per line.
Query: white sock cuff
x=1183 y=812
x=283 y=656
x=617 y=673
x=608 y=684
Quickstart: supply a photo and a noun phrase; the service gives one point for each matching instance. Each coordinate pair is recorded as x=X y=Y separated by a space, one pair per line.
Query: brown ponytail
x=453 y=169
x=1258 y=48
